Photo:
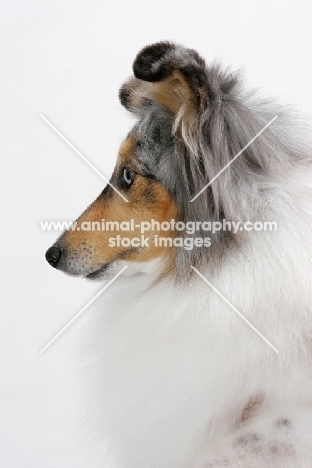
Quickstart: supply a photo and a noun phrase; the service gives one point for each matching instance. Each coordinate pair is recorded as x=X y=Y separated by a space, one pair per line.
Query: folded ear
x=170 y=75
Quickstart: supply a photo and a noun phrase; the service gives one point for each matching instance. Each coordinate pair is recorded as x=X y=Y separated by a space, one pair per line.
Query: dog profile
x=175 y=378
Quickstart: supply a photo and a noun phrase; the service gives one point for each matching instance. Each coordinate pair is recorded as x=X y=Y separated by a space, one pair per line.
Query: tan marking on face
x=127 y=148
x=148 y=200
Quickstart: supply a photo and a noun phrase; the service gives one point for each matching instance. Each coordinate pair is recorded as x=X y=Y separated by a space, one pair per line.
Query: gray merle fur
x=226 y=119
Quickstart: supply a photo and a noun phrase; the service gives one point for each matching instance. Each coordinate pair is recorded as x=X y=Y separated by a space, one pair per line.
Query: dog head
x=190 y=124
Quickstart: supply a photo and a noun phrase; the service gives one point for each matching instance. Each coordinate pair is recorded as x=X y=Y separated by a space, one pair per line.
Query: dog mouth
x=99 y=273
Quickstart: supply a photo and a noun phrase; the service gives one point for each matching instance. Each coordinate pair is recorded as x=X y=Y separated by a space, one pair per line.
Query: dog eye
x=128 y=177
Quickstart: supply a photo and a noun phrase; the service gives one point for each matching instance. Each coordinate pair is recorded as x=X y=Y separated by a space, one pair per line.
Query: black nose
x=53 y=255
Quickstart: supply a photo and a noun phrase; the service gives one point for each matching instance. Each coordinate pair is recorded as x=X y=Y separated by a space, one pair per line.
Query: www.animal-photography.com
x=157 y=217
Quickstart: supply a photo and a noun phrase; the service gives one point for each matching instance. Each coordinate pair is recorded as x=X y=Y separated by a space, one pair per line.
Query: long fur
x=170 y=368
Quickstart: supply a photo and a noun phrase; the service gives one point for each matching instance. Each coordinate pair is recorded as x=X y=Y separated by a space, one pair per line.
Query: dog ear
x=134 y=95
x=170 y=75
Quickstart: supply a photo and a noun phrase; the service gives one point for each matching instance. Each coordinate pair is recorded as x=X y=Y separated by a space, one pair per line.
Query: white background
x=67 y=59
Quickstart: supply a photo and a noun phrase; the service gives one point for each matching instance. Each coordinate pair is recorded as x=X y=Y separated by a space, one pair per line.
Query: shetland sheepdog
x=200 y=353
